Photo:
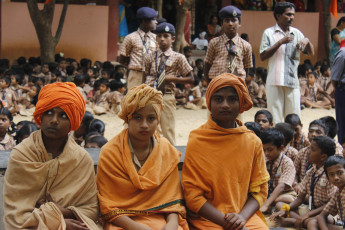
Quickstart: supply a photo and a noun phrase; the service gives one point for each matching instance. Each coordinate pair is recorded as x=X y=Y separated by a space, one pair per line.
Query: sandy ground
x=186 y=121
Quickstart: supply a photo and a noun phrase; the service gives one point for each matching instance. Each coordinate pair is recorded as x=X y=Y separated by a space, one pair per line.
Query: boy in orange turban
x=137 y=174
x=50 y=181
x=224 y=173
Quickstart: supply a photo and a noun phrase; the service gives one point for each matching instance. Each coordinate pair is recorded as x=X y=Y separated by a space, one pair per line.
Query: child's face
x=105 y=75
x=33 y=91
x=316 y=155
x=271 y=151
x=3 y=84
x=45 y=69
x=298 y=130
x=230 y=26
x=200 y=66
x=122 y=90
x=225 y=106
x=13 y=80
x=311 y=79
x=40 y=83
x=188 y=53
x=62 y=65
x=336 y=175
x=103 y=88
x=59 y=79
x=53 y=78
x=328 y=72
x=315 y=131
x=90 y=73
x=4 y=123
x=317 y=70
x=263 y=121
x=165 y=40
x=248 y=79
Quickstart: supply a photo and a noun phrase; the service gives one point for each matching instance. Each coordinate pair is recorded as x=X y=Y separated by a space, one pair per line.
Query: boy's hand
x=281 y=213
x=233 y=221
x=299 y=221
x=264 y=208
x=170 y=78
x=75 y=225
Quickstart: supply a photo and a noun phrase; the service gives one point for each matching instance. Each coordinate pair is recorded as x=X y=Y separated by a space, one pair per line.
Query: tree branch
x=61 y=22
x=34 y=12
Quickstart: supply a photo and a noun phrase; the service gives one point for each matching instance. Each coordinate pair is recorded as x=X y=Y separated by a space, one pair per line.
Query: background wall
x=85 y=32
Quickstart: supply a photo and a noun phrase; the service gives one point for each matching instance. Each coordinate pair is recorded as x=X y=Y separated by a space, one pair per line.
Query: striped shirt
x=282 y=66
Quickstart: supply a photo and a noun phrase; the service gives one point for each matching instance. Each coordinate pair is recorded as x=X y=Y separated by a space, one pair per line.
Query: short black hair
x=293 y=119
x=104 y=82
x=262 y=72
x=70 y=70
x=56 y=72
x=255 y=127
x=96 y=125
x=187 y=48
x=324 y=68
x=21 y=60
x=333 y=160
x=119 y=67
x=314 y=74
x=287 y=130
x=266 y=113
x=244 y=36
x=98 y=139
x=251 y=72
x=197 y=61
x=342 y=19
x=332 y=125
x=7 y=80
x=280 y=8
x=320 y=123
x=79 y=79
x=272 y=135
x=326 y=144
x=115 y=85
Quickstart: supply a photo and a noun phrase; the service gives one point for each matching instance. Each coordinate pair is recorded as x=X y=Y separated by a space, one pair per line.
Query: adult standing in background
x=338 y=82
x=213 y=29
x=139 y=44
x=337 y=34
x=281 y=45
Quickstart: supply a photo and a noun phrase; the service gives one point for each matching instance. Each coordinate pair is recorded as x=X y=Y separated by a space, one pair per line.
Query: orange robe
x=146 y=195
x=224 y=166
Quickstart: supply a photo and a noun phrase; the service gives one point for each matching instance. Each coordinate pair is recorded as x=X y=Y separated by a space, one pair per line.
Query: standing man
x=338 y=82
x=139 y=44
x=281 y=45
x=228 y=53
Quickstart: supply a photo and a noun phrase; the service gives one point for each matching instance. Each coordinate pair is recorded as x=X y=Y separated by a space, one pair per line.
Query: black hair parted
x=272 y=135
x=333 y=160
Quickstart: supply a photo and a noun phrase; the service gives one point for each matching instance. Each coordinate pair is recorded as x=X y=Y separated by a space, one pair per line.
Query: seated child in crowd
x=79 y=81
x=264 y=118
x=314 y=190
x=181 y=94
x=281 y=169
x=332 y=126
x=335 y=171
x=117 y=89
x=188 y=54
x=316 y=128
x=25 y=131
x=79 y=134
x=312 y=95
x=299 y=140
x=255 y=127
x=199 y=69
x=253 y=87
x=195 y=100
x=101 y=99
x=6 y=129
x=8 y=96
x=261 y=76
x=287 y=130
x=324 y=80
x=96 y=125
x=95 y=140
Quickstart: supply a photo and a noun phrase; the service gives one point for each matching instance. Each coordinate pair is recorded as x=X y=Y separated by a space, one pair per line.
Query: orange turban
x=226 y=80
x=137 y=98
x=63 y=95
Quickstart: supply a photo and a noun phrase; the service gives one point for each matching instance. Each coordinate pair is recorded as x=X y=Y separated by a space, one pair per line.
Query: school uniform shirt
x=218 y=57
x=8 y=96
x=281 y=170
x=300 y=142
x=282 y=66
x=253 y=89
x=101 y=99
x=323 y=189
x=301 y=164
x=196 y=92
x=324 y=82
x=134 y=48
x=7 y=143
x=333 y=208
x=175 y=64
x=290 y=152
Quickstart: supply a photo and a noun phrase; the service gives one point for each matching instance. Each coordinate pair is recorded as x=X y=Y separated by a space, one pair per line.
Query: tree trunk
x=42 y=20
x=327 y=24
x=160 y=8
x=182 y=9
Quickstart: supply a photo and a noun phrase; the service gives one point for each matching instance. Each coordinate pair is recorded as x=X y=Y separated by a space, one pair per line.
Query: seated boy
x=195 y=101
x=299 y=140
x=315 y=189
x=287 y=130
x=316 y=128
x=264 y=118
x=188 y=54
x=8 y=96
x=253 y=87
x=115 y=97
x=335 y=171
x=101 y=99
x=281 y=169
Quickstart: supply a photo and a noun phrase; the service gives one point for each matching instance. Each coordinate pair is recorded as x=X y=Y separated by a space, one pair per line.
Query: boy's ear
x=324 y=157
x=173 y=38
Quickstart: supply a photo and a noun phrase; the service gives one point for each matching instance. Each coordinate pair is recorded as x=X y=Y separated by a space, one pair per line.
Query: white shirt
x=200 y=43
x=282 y=66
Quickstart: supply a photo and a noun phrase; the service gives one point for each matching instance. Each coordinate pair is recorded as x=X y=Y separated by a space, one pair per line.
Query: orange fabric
x=223 y=167
x=64 y=95
x=333 y=8
x=125 y=191
x=226 y=80
x=137 y=98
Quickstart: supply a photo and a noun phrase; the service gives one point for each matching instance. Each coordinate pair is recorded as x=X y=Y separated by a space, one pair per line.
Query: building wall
x=85 y=32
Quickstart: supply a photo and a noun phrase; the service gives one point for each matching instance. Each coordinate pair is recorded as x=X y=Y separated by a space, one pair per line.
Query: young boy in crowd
x=45 y=73
x=324 y=80
x=316 y=128
x=261 y=76
x=117 y=89
x=253 y=87
x=335 y=171
x=8 y=96
x=106 y=74
x=287 y=130
x=315 y=189
x=101 y=99
x=281 y=169
x=199 y=68
x=162 y=69
x=332 y=126
x=195 y=100
x=188 y=54
x=70 y=70
x=181 y=94
x=299 y=140
x=264 y=118
x=79 y=81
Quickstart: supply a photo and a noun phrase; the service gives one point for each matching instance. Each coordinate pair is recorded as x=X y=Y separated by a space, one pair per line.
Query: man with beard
x=281 y=45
